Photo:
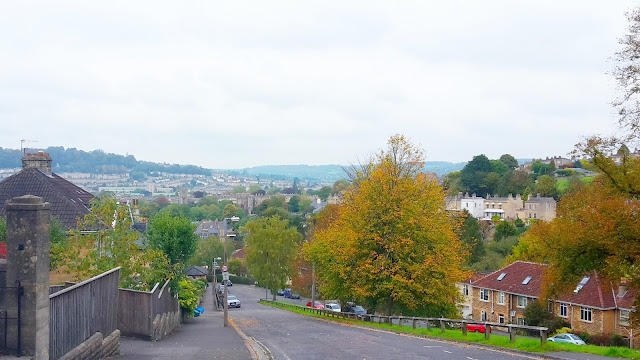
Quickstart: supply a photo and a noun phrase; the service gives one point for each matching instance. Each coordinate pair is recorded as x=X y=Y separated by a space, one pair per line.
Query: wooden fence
x=149 y=315
x=414 y=322
x=79 y=311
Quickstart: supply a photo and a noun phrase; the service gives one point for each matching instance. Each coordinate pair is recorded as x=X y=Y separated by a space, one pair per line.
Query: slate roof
x=68 y=202
x=195 y=271
x=596 y=293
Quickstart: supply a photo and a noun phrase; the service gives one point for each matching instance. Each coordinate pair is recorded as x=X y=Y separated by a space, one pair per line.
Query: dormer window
x=526 y=281
x=502 y=276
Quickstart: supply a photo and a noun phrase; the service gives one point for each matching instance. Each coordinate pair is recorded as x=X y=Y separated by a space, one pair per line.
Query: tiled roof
x=238 y=254
x=595 y=293
x=68 y=202
x=625 y=300
x=195 y=271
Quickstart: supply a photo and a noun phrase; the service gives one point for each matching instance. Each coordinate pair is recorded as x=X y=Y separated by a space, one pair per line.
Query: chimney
x=623 y=286
x=40 y=160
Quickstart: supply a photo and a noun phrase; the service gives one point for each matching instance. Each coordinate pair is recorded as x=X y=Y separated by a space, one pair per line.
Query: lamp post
x=215 y=282
x=225 y=274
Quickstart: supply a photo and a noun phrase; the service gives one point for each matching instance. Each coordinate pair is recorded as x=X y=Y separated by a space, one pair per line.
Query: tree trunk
x=274 y=297
x=389 y=309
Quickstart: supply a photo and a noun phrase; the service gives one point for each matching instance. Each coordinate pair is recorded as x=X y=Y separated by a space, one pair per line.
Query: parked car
x=567 y=338
x=295 y=296
x=317 y=305
x=333 y=307
x=477 y=328
x=281 y=292
x=229 y=283
x=356 y=309
x=233 y=301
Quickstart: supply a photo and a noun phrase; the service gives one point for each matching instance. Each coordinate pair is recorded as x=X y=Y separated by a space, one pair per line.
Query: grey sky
x=226 y=84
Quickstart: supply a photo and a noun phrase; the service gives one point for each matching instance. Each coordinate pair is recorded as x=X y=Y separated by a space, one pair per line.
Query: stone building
x=539 y=208
x=68 y=202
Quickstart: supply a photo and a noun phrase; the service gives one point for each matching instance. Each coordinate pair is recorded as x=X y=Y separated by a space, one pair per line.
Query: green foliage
x=294 y=204
x=536 y=313
x=237 y=267
x=58 y=240
x=546 y=186
x=322 y=193
x=174 y=236
x=505 y=229
x=471 y=235
x=207 y=250
x=474 y=173
x=239 y=189
x=113 y=243
x=496 y=253
x=189 y=294
x=499 y=167
x=509 y=161
x=271 y=250
x=3 y=230
x=254 y=187
x=230 y=210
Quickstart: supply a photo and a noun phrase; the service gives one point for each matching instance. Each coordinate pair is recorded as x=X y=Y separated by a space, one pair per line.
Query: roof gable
x=68 y=202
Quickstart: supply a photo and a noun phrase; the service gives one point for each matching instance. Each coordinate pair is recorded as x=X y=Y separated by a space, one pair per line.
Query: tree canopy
x=390 y=244
x=174 y=236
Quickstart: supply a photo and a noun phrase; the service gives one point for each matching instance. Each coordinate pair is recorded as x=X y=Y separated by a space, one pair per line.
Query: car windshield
x=358 y=308
x=573 y=337
x=231 y=297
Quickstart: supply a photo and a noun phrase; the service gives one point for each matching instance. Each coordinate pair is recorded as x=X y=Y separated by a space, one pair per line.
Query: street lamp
x=226 y=267
x=214 y=265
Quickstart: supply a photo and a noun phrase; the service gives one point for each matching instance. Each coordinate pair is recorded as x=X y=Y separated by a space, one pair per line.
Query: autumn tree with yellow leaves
x=390 y=244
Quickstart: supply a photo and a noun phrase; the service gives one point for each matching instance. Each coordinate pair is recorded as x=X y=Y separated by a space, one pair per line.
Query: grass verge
x=521 y=344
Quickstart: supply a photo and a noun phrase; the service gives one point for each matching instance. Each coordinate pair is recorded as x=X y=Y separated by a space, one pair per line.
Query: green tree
x=207 y=250
x=471 y=235
x=391 y=245
x=510 y=161
x=499 y=167
x=107 y=242
x=505 y=229
x=174 y=236
x=271 y=250
x=546 y=186
x=230 y=211
x=3 y=230
x=294 y=204
x=339 y=186
x=492 y=182
x=254 y=187
x=474 y=173
x=239 y=189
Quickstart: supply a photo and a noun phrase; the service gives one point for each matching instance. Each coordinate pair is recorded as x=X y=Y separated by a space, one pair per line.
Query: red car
x=477 y=328
x=318 y=305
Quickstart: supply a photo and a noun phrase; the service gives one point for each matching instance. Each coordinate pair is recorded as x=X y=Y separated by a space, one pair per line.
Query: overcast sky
x=230 y=84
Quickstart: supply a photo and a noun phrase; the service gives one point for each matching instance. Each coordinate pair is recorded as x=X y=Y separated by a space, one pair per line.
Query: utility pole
x=313 y=285
x=225 y=280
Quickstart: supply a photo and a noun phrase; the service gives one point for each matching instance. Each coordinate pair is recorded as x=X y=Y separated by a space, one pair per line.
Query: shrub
x=585 y=337
x=563 y=330
x=189 y=293
x=555 y=323
x=598 y=339
x=618 y=340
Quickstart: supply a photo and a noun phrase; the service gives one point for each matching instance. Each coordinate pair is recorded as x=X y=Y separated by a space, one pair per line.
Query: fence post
x=512 y=334
x=390 y=320
x=487 y=331
x=379 y=319
x=414 y=322
x=464 y=328
x=427 y=324
x=442 y=325
x=543 y=336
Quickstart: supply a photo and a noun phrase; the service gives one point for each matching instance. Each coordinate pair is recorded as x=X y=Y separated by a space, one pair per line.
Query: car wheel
x=476 y=330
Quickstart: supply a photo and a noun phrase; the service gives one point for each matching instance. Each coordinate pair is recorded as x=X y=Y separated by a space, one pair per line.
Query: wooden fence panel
x=79 y=311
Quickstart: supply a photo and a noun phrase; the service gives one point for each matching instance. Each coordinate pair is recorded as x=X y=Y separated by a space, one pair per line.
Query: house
x=539 y=208
x=504 y=207
x=593 y=306
x=474 y=205
x=206 y=228
x=466 y=305
x=68 y=202
x=196 y=272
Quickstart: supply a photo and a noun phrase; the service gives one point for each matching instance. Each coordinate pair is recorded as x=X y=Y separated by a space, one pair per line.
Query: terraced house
x=594 y=306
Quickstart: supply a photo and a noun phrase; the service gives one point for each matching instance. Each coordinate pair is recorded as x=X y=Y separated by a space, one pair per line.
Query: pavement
x=203 y=337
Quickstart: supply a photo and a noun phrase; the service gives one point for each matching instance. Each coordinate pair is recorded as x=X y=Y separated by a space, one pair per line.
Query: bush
x=563 y=330
x=189 y=293
x=599 y=340
x=618 y=340
x=237 y=280
x=585 y=337
x=555 y=323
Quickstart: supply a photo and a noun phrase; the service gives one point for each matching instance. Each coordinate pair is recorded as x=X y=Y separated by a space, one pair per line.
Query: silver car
x=233 y=301
x=567 y=338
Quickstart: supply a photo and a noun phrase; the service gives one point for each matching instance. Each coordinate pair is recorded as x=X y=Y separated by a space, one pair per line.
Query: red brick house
x=593 y=306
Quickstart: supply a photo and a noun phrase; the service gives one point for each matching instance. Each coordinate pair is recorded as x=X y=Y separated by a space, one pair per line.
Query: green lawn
x=563 y=184
x=522 y=344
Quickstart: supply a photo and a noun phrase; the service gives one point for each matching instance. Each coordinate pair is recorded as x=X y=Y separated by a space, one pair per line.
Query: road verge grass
x=521 y=344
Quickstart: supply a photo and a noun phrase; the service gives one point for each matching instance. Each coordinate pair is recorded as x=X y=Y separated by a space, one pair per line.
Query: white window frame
x=624 y=317
x=501 y=298
x=483 y=315
x=524 y=301
x=484 y=293
x=586 y=314
x=465 y=290
x=501 y=318
x=521 y=321
x=564 y=307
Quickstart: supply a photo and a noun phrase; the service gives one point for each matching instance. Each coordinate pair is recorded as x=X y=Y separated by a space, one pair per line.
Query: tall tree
x=271 y=250
x=510 y=161
x=471 y=235
x=391 y=245
x=174 y=236
x=474 y=173
x=546 y=186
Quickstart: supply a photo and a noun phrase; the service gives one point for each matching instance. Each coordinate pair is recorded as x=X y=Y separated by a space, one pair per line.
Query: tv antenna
x=22 y=148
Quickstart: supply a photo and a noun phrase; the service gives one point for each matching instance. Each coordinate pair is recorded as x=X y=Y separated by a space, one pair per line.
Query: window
x=522 y=301
x=502 y=276
x=585 y=314
x=535 y=215
x=521 y=321
x=582 y=283
x=483 y=315
x=465 y=290
x=564 y=310
x=501 y=318
x=529 y=206
x=501 y=298
x=624 y=317
x=526 y=280
x=500 y=206
x=484 y=294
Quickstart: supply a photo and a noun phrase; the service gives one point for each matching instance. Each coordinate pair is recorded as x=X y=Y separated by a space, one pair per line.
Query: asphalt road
x=289 y=335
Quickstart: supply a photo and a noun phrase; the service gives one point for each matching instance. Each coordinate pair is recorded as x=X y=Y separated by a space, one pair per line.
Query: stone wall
x=96 y=347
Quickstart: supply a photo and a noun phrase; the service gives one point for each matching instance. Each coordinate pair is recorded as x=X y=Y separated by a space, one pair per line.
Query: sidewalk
x=203 y=337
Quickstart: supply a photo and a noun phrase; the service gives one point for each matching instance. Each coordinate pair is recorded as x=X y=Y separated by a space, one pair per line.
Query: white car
x=333 y=307
x=233 y=301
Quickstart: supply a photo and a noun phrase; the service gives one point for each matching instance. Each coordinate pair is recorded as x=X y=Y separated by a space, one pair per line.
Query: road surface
x=288 y=335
